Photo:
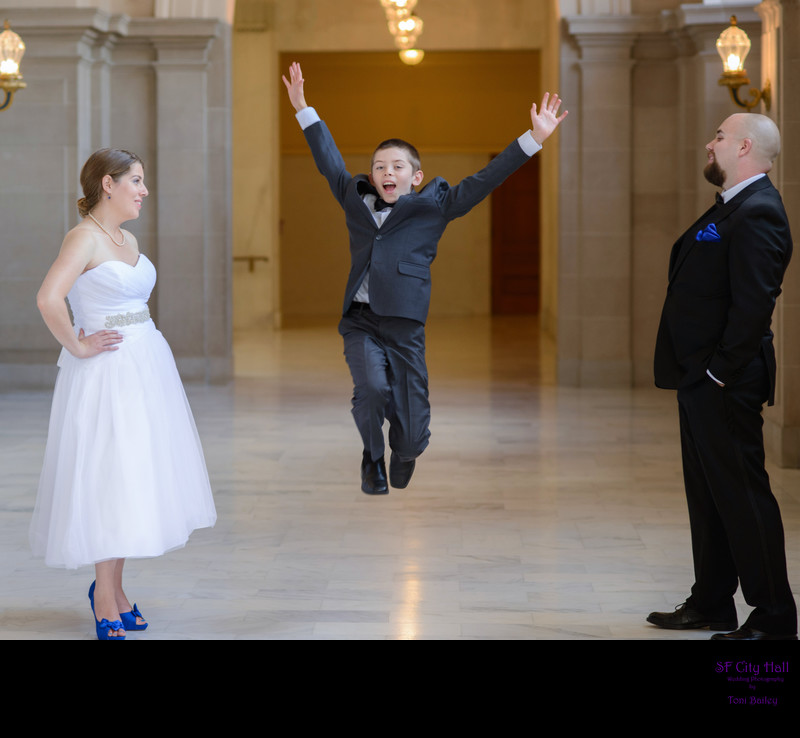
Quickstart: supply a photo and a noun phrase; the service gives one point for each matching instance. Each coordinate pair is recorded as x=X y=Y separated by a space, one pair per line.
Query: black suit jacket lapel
x=398 y=207
x=684 y=244
x=715 y=214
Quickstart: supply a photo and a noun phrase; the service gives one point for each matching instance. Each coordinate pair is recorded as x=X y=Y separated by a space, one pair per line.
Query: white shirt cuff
x=721 y=384
x=306 y=117
x=528 y=144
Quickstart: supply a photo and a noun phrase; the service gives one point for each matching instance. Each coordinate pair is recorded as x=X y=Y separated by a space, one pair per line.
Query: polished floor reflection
x=538 y=512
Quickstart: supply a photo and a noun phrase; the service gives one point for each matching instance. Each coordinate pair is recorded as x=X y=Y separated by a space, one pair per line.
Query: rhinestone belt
x=121 y=319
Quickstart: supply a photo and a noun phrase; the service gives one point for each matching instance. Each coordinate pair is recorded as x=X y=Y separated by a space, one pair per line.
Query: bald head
x=764 y=135
x=746 y=144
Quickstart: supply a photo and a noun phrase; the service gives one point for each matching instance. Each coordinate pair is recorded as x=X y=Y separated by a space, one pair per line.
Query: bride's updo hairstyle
x=114 y=162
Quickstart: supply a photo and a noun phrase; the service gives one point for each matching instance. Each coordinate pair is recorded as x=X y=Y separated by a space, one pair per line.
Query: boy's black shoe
x=400 y=471
x=373 y=476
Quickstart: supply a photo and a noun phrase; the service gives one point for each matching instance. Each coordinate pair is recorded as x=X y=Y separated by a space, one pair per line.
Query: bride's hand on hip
x=98 y=342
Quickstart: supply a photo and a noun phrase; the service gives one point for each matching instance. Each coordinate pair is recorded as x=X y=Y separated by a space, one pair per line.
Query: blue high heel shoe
x=104 y=626
x=128 y=618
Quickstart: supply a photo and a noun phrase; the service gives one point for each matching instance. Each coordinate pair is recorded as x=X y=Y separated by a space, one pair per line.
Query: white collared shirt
x=737 y=188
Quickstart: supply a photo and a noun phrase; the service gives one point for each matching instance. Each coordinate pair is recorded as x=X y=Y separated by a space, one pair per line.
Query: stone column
x=655 y=195
x=595 y=316
x=257 y=88
x=782 y=422
x=191 y=191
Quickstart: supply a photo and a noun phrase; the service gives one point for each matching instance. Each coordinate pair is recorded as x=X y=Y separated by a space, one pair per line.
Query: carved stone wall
x=157 y=86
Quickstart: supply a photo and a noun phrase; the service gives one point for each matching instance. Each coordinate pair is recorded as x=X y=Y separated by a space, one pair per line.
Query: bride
x=124 y=473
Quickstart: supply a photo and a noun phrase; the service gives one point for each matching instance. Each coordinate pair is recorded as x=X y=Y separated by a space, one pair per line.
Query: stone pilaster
x=782 y=422
x=159 y=87
x=595 y=324
x=192 y=191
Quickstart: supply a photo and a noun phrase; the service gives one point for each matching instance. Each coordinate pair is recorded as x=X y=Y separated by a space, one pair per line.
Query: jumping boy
x=394 y=232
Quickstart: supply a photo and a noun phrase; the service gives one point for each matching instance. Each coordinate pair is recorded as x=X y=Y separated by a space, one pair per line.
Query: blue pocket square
x=709 y=233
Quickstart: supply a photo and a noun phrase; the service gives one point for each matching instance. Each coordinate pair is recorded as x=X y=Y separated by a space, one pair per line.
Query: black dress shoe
x=751 y=634
x=373 y=476
x=400 y=471
x=687 y=618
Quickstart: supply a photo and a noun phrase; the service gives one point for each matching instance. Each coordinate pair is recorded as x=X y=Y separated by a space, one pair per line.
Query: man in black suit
x=715 y=347
x=394 y=232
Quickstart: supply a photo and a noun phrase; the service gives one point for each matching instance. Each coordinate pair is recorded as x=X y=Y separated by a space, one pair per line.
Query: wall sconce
x=733 y=46
x=11 y=50
x=405 y=27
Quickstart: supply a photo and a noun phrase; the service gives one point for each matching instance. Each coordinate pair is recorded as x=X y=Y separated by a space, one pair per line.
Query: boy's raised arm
x=546 y=119
x=294 y=86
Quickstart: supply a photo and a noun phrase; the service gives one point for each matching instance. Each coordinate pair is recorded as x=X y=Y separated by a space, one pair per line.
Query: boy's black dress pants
x=386 y=356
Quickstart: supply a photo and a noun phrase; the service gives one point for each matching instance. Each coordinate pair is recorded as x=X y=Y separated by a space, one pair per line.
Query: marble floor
x=538 y=512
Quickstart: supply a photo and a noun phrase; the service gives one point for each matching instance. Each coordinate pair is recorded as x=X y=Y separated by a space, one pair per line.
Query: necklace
x=107 y=233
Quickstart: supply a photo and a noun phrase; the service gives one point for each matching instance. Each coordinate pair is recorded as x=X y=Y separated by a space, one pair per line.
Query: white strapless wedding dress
x=124 y=474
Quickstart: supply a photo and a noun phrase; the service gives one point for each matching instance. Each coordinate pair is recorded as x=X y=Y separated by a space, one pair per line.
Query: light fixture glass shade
x=412 y=56
x=733 y=46
x=406 y=32
x=12 y=49
x=412 y=25
x=404 y=23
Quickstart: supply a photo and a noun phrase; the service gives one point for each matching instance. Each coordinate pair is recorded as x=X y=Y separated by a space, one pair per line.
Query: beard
x=714 y=174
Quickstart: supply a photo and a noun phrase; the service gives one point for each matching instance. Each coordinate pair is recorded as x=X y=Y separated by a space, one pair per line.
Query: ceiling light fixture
x=405 y=27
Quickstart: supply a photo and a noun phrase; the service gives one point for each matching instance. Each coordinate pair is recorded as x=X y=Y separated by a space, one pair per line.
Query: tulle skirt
x=124 y=474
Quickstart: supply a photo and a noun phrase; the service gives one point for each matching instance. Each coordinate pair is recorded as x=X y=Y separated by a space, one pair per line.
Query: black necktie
x=382 y=204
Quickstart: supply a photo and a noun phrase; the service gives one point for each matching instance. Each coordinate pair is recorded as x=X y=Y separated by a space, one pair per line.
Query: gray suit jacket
x=399 y=254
